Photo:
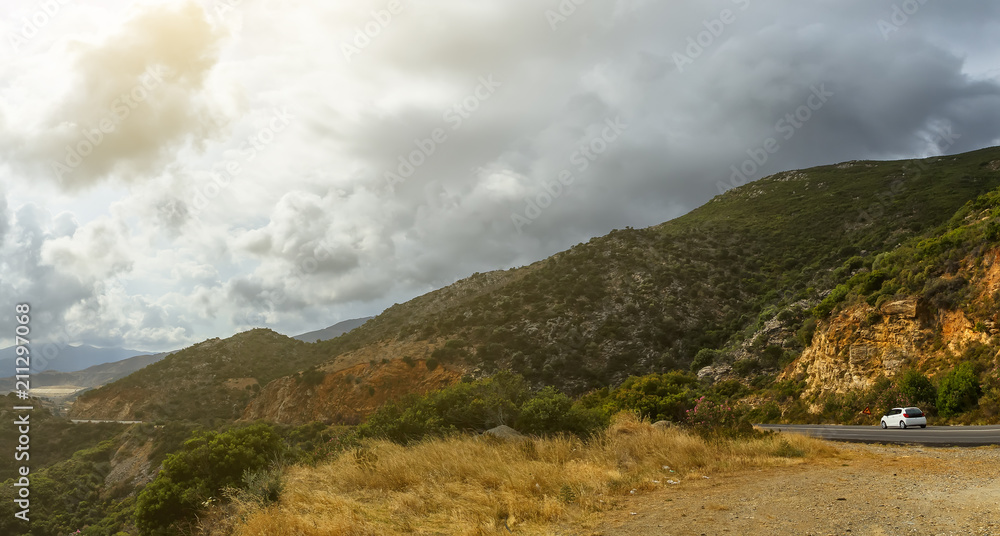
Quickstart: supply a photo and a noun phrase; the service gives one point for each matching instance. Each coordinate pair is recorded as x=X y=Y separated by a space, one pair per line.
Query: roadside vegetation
x=474 y=485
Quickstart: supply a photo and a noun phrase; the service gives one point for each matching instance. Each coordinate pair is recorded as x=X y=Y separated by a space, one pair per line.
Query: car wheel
x=884 y=425
x=902 y=425
x=923 y=426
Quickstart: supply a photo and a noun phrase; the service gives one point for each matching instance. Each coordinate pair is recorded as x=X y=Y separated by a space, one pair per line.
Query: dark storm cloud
x=688 y=122
x=458 y=174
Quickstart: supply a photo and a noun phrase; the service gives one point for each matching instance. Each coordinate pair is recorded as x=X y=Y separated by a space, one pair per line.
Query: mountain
x=736 y=283
x=89 y=377
x=68 y=358
x=333 y=331
x=929 y=305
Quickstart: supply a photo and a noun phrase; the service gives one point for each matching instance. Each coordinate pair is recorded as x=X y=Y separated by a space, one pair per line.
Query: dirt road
x=869 y=490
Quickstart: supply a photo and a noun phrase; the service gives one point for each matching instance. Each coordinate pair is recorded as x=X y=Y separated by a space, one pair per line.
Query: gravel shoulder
x=874 y=490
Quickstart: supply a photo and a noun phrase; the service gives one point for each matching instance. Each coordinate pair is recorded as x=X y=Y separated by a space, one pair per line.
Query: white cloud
x=100 y=250
x=306 y=231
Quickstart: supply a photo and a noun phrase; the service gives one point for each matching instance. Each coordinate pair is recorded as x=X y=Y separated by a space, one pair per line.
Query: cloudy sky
x=174 y=171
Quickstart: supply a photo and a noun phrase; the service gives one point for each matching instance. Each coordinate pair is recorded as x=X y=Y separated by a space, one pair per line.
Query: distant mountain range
x=333 y=331
x=69 y=358
x=94 y=376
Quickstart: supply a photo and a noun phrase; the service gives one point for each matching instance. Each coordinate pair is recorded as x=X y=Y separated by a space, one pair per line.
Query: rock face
x=130 y=465
x=853 y=348
x=504 y=432
x=847 y=353
x=716 y=373
x=902 y=308
x=347 y=395
x=860 y=344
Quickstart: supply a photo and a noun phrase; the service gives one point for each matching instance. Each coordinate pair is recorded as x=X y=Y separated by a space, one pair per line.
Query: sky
x=176 y=171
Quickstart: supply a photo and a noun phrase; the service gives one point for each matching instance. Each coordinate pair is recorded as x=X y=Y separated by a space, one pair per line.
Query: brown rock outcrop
x=855 y=347
x=907 y=308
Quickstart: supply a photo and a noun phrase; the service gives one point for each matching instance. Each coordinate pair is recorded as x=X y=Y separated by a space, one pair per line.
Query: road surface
x=87 y=421
x=965 y=436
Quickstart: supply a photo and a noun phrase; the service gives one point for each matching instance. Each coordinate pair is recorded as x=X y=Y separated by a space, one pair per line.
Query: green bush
x=704 y=358
x=805 y=334
x=918 y=390
x=655 y=396
x=959 y=390
x=944 y=293
x=260 y=487
x=550 y=411
x=479 y=405
x=709 y=418
x=208 y=463
x=746 y=367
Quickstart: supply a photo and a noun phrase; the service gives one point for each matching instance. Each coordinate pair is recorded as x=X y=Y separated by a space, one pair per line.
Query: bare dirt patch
x=239 y=384
x=866 y=490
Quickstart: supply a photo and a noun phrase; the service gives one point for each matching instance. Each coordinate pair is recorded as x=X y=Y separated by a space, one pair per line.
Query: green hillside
x=679 y=295
x=646 y=300
x=192 y=384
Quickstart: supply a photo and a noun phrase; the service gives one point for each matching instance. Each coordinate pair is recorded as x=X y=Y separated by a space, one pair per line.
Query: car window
x=913 y=410
x=896 y=412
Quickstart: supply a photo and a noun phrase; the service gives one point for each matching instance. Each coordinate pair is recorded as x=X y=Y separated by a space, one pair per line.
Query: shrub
x=771 y=357
x=746 y=367
x=550 y=411
x=310 y=377
x=208 y=463
x=703 y=358
x=655 y=396
x=260 y=488
x=826 y=306
x=959 y=390
x=871 y=281
x=479 y=405
x=708 y=417
x=918 y=389
x=944 y=293
x=806 y=332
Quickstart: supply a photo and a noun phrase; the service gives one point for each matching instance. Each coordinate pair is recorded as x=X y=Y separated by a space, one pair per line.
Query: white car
x=904 y=417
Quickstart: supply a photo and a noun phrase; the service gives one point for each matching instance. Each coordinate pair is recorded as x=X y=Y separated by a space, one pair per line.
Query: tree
x=959 y=390
x=918 y=389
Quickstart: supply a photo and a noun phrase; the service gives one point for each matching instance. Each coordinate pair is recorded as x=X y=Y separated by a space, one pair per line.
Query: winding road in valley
x=959 y=436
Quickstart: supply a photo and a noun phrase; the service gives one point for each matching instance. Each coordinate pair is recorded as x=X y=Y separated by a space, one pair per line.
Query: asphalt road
x=941 y=436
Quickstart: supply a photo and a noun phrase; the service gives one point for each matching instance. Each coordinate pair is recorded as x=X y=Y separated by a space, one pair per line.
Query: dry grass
x=471 y=486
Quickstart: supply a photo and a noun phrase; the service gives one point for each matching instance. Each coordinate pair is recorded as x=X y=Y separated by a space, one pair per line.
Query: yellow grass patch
x=474 y=486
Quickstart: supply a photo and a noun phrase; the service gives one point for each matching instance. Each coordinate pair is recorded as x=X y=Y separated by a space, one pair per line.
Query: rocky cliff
x=860 y=343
